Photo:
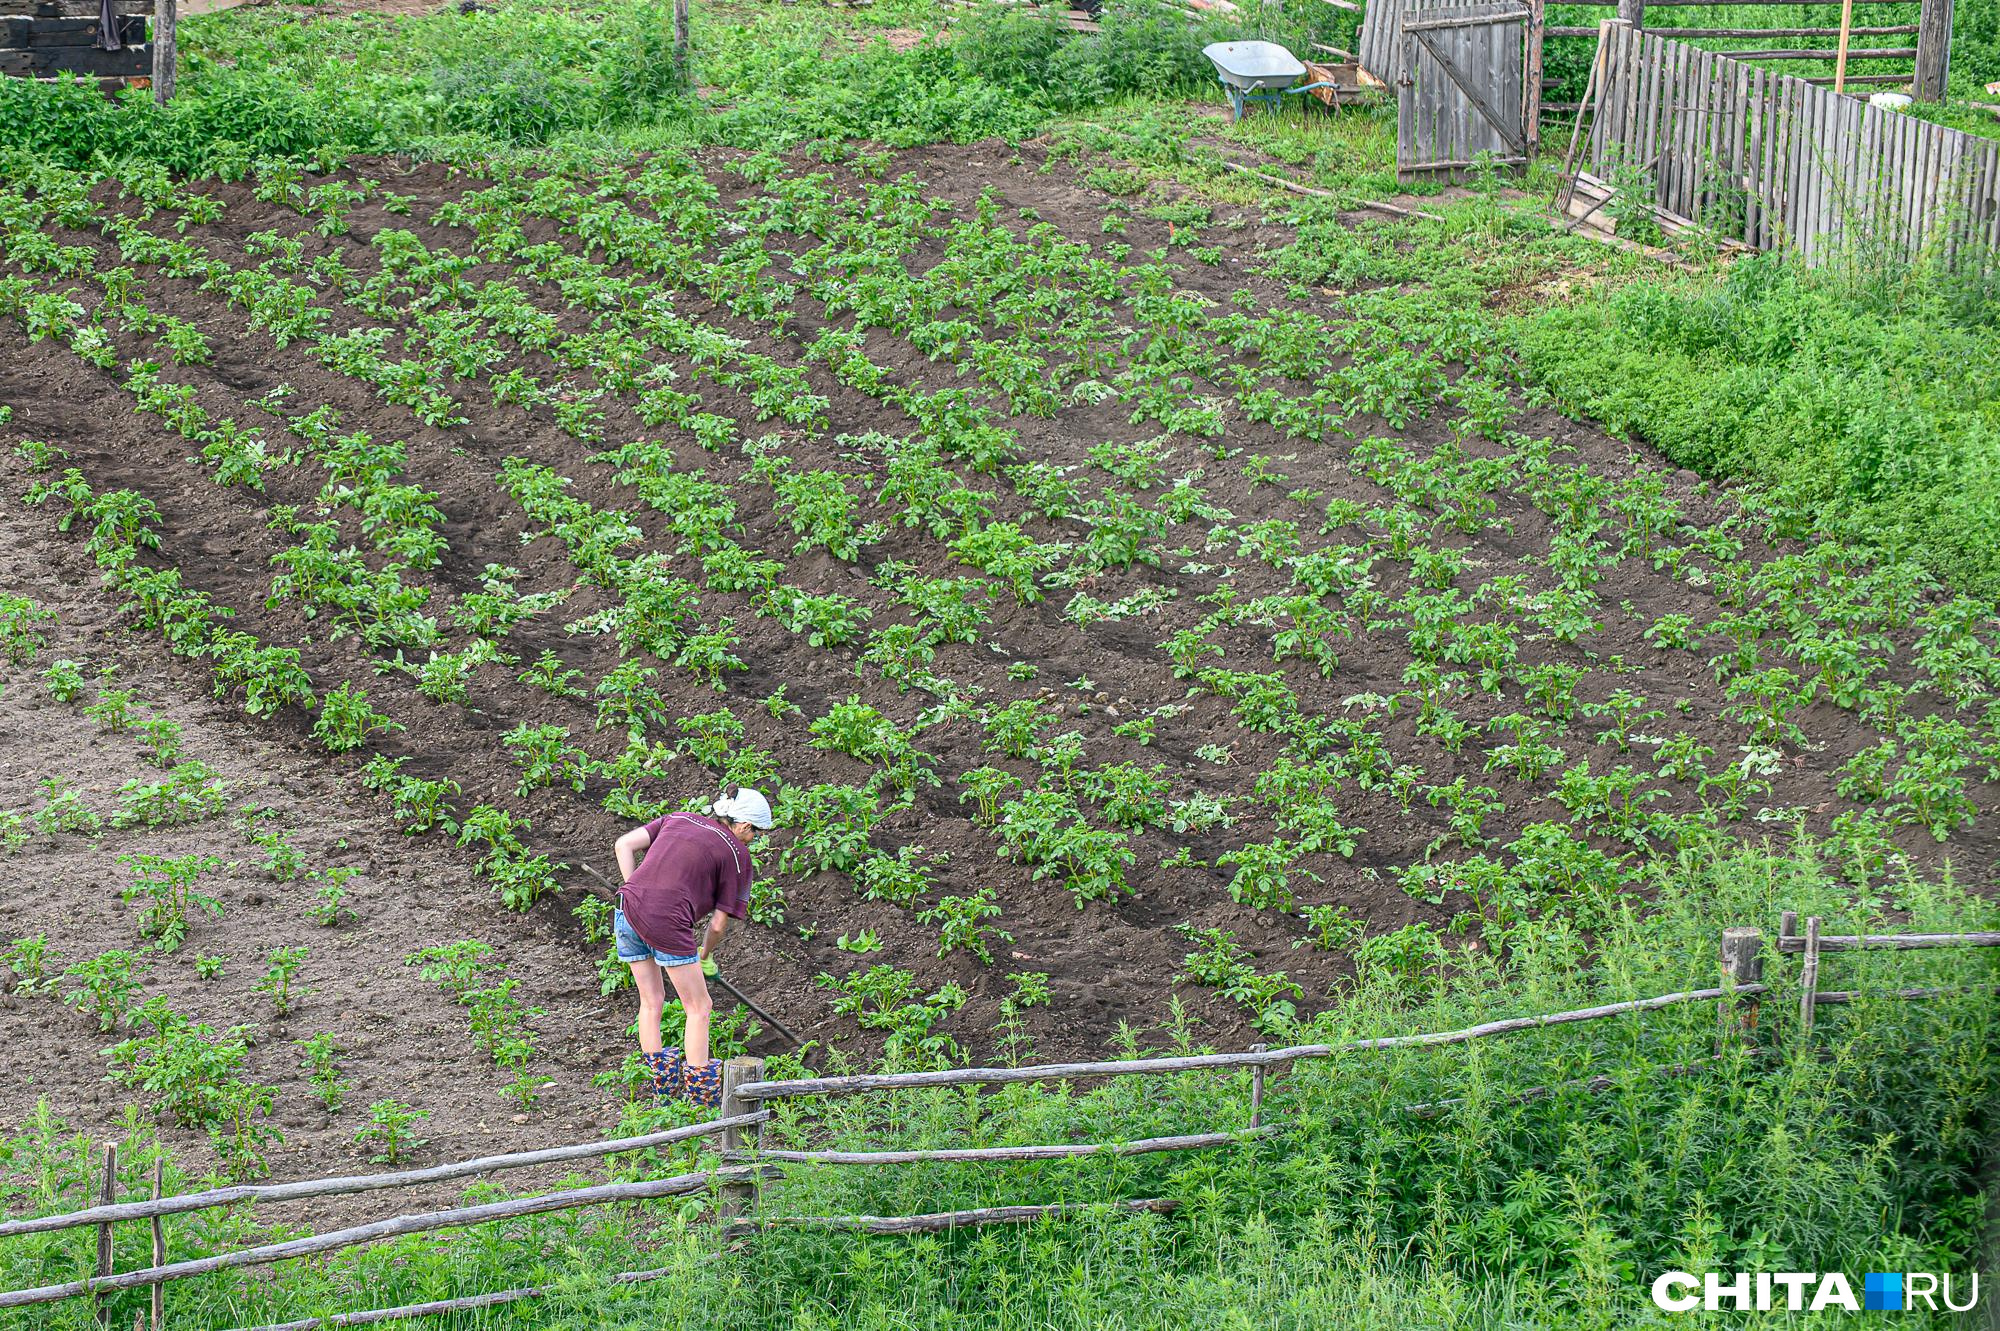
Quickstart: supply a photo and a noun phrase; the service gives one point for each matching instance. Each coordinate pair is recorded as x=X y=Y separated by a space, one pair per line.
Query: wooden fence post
x=159 y=1251
x=107 y=1195
x=1742 y=963
x=1257 y=1088
x=1531 y=83
x=737 y=1072
x=1933 y=50
x=1809 y=977
x=1632 y=12
x=681 y=40
x=166 y=50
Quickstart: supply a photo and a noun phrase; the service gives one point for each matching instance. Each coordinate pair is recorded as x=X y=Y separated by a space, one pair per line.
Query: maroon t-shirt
x=694 y=867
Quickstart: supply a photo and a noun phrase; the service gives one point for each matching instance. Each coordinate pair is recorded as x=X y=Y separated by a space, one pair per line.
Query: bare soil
x=1110 y=963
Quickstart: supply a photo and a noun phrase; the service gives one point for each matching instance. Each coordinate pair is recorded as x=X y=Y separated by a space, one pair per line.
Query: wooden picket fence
x=1776 y=162
x=746 y=1108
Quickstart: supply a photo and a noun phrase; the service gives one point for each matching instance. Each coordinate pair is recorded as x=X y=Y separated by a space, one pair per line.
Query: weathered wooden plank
x=1815 y=53
x=1891 y=942
x=1749 y=81
x=132 y=61
x=33 y=33
x=70 y=9
x=1881 y=30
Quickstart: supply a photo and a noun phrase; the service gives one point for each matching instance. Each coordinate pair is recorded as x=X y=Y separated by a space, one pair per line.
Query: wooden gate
x=1462 y=86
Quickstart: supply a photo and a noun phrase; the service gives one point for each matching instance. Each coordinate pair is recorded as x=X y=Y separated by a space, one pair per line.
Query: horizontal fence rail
x=1887 y=942
x=334 y=1187
x=1135 y=1067
x=948 y=1155
x=677 y=1186
x=1838 y=996
x=745 y=1167
x=930 y=1224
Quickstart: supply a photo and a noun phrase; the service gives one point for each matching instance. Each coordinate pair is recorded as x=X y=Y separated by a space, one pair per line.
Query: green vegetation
x=1313 y=452
x=1848 y=1151
x=1869 y=408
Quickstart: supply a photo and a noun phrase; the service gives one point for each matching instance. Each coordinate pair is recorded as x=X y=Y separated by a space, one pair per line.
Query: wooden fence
x=736 y=1182
x=1776 y=162
x=48 y=39
x=1925 y=45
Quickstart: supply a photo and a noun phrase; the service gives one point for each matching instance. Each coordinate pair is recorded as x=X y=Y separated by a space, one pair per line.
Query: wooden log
x=931 y=1224
x=978 y=1154
x=1933 y=50
x=1839 y=996
x=1826 y=80
x=1894 y=942
x=738 y=1197
x=1742 y=955
x=1589 y=93
x=425 y=1223
x=897 y=1081
x=1632 y=12
x=159 y=1250
x=342 y=1186
x=1846 y=35
x=106 y=1196
x=1478 y=21
x=166 y=49
x=681 y=40
x=1294 y=187
x=1531 y=81
x=1461 y=164
x=1795 y=53
x=1809 y=976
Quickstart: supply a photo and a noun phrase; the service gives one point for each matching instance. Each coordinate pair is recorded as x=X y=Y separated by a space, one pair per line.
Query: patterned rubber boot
x=667 y=1068
x=704 y=1084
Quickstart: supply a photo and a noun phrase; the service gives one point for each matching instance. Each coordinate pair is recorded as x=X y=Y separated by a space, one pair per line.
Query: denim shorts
x=632 y=948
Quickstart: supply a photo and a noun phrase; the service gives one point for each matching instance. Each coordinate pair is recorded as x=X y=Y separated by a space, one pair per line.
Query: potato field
x=1122 y=613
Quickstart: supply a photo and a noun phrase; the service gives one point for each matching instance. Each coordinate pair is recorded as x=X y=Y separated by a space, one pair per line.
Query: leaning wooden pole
x=166 y=51
x=1840 y=56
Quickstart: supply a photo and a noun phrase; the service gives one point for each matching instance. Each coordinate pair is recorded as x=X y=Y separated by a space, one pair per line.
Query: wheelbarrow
x=1260 y=72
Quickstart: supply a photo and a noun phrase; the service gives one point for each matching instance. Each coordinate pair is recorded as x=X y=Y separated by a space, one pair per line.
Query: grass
x=1857 y=1150
x=1869 y=409
x=1863 y=410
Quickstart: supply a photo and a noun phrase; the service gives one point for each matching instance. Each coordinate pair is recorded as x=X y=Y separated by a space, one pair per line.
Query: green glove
x=708 y=966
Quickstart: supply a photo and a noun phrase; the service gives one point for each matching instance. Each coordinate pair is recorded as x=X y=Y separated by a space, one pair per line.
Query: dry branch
x=333 y=1187
x=1861 y=942
x=1140 y=1147
x=1908 y=995
x=897 y=1081
x=395 y=1227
